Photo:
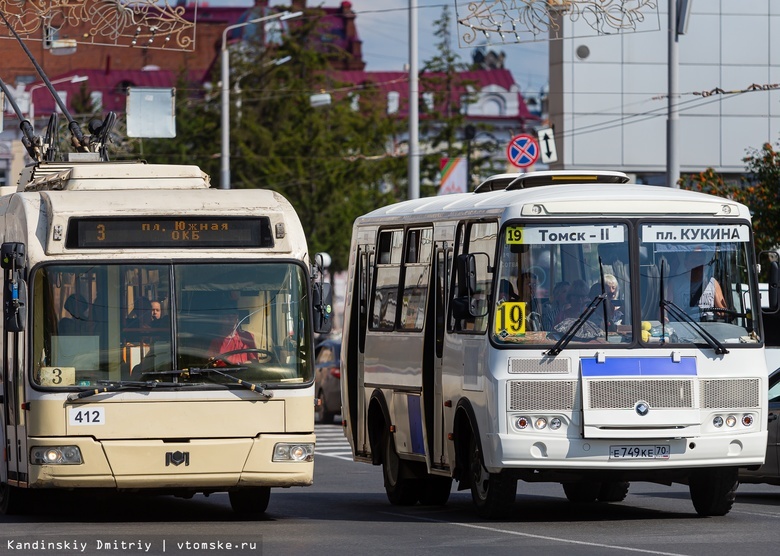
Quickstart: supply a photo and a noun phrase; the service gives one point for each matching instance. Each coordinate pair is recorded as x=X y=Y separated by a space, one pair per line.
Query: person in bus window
x=553 y=308
x=158 y=319
x=694 y=288
x=235 y=339
x=78 y=322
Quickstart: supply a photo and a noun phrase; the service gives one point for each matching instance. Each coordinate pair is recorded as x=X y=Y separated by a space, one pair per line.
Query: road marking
x=540 y=537
x=332 y=443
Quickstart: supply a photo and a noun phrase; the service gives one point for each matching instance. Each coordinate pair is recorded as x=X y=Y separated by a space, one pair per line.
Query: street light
x=224 y=181
x=71 y=79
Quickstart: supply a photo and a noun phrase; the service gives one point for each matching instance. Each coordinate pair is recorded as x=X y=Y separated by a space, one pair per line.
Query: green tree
x=760 y=192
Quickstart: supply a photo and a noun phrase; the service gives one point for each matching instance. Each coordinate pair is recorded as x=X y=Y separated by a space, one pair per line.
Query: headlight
x=731 y=421
x=293 y=452
x=555 y=423
x=55 y=455
x=717 y=421
x=541 y=422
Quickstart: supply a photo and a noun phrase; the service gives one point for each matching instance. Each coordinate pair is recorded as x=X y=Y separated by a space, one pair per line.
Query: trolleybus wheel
x=435 y=490
x=713 y=490
x=401 y=490
x=12 y=500
x=493 y=494
x=613 y=491
x=253 y=500
x=582 y=492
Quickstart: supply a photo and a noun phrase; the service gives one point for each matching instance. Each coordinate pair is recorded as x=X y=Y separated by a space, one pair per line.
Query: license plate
x=635 y=451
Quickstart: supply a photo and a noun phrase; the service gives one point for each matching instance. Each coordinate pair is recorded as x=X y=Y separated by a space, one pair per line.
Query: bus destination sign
x=163 y=232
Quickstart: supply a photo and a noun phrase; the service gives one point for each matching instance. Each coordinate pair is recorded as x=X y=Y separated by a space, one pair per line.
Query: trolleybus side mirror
x=322 y=295
x=12 y=260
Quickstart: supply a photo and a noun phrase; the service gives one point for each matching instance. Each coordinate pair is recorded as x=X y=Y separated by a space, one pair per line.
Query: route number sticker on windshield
x=556 y=235
x=92 y=415
x=510 y=318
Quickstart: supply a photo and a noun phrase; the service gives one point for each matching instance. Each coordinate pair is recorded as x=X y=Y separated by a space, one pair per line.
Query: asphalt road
x=346 y=512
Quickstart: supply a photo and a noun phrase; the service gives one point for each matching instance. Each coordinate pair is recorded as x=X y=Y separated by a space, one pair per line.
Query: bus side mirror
x=467 y=304
x=322 y=297
x=774 y=281
x=12 y=260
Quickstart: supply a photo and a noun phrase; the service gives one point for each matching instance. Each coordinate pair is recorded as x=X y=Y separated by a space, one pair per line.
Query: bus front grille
x=542 y=395
x=727 y=393
x=624 y=394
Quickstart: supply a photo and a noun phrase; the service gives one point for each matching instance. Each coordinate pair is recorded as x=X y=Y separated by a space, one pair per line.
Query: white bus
x=157 y=335
x=565 y=327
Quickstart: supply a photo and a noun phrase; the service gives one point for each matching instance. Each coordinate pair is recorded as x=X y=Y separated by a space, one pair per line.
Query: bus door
x=354 y=406
x=432 y=368
x=14 y=469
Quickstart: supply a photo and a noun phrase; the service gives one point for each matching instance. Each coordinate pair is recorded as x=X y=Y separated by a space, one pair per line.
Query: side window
x=384 y=304
x=479 y=239
x=417 y=264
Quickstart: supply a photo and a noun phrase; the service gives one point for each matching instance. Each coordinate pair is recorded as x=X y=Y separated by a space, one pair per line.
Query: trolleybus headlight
x=555 y=423
x=717 y=421
x=541 y=423
x=522 y=423
x=293 y=452
x=731 y=421
x=747 y=420
x=55 y=455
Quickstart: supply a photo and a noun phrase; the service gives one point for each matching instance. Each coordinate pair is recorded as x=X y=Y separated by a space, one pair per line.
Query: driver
x=235 y=339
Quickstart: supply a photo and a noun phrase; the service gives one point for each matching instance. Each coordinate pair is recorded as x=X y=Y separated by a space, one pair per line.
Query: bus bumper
x=518 y=452
x=208 y=464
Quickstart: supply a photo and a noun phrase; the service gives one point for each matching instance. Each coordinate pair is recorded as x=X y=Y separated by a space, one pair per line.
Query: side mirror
x=322 y=299
x=12 y=260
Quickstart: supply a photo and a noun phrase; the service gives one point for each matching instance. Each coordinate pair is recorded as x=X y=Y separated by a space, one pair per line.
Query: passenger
x=78 y=322
x=577 y=300
x=553 y=308
x=158 y=319
x=694 y=289
x=235 y=339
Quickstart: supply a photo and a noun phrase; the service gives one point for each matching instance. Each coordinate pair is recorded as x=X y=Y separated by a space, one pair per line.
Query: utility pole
x=414 y=101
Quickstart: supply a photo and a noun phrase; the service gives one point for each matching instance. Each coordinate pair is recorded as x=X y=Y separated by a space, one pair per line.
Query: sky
x=383 y=26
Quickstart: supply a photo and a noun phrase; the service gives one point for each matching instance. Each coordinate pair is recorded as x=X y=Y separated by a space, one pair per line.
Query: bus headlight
x=555 y=423
x=731 y=421
x=717 y=421
x=55 y=455
x=285 y=451
x=541 y=423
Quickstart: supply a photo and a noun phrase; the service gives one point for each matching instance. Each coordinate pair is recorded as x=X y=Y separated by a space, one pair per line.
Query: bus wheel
x=401 y=490
x=12 y=500
x=713 y=490
x=252 y=500
x=435 y=490
x=613 y=491
x=582 y=492
x=493 y=494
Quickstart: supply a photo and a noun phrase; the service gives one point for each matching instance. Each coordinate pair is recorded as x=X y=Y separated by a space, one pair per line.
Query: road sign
x=548 y=152
x=522 y=151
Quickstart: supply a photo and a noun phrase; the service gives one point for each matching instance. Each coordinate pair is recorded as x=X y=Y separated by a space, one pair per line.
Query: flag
x=453 y=176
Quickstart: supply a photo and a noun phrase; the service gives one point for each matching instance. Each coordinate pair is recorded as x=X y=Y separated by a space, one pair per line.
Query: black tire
x=323 y=415
x=250 y=501
x=493 y=494
x=713 y=490
x=613 y=491
x=12 y=500
x=401 y=490
x=435 y=490
x=582 y=492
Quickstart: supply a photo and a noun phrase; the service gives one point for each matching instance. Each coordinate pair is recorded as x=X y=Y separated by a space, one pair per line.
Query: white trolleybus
x=562 y=327
x=157 y=335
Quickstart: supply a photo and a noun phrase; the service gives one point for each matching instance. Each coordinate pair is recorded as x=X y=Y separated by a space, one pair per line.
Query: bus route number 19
x=510 y=318
x=79 y=416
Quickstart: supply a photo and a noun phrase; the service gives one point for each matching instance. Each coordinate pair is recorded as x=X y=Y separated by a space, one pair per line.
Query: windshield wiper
x=684 y=317
x=259 y=388
x=116 y=386
x=567 y=337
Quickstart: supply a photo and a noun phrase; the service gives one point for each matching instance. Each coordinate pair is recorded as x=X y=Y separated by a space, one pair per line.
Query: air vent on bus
x=511 y=182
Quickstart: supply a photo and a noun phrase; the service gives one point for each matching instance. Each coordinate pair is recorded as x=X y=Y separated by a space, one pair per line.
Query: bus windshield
x=139 y=322
x=695 y=284
x=549 y=276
